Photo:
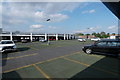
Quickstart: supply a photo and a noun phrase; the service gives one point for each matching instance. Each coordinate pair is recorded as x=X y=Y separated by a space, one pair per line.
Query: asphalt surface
x=29 y=53
x=60 y=59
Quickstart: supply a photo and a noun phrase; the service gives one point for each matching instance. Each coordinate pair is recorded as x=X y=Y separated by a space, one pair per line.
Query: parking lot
x=60 y=59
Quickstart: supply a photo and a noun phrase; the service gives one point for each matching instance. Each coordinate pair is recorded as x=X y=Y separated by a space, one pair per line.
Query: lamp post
x=87 y=33
x=48 y=43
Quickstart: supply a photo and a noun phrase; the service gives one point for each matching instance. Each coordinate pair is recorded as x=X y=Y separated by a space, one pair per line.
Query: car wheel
x=3 y=51
x=118 y=55
x=88 y=51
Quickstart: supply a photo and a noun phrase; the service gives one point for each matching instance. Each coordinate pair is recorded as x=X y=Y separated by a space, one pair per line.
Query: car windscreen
x=95 y=38
x=6 y=42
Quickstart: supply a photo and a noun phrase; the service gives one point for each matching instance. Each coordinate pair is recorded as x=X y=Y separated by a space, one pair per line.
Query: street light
x=88 y=33
x=48 y=20
x=48 y=34
x=48 y=40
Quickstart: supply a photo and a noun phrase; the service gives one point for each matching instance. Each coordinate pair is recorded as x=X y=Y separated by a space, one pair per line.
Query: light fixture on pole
x=48 y=34
x=88 y=33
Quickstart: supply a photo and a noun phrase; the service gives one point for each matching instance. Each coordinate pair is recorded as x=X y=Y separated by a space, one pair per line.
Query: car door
x=100 y=47
x=113 y=47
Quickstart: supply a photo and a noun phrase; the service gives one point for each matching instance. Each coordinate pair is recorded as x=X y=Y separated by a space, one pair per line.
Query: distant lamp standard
x=48 y=43
x=87 y=33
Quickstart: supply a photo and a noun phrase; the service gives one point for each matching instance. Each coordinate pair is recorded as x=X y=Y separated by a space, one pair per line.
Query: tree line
x=100 y=35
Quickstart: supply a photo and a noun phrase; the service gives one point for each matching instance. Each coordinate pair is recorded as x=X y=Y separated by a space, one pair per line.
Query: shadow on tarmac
x=106 y=68
x=23 y=49
x=11 y=76
x=5 y=54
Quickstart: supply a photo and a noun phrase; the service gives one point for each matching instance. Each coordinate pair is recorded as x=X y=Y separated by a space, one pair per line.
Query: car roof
x=110 y=40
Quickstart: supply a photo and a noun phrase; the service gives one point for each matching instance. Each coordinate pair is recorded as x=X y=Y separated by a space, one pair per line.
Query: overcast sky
x=65 y=17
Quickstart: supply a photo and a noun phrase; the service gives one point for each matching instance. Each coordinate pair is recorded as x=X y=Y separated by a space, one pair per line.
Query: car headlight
x=14 y=46
x=82 y=47
x=1 y=48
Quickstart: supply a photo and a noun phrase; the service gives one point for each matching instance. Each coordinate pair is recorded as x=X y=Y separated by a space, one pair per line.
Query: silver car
x=81 y=39
x=7 y=45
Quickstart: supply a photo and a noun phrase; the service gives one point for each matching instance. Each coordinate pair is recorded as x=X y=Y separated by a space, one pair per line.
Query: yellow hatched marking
x=91 y=67
x=41 y=71
x=19 y=56
x=16 y=68
x=39 y=62
x=77 y=62
x=57 y=58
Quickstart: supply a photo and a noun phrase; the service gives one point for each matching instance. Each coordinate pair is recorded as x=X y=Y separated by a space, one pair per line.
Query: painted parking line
x=19 y=56
x=44 y=61
x=95 y=55
x=103 y=70
x=23 y=51
x=16 y=68
x=76 y=62
x=57 y=58
x=40 y=62
x=33 y=49
x=41 y=71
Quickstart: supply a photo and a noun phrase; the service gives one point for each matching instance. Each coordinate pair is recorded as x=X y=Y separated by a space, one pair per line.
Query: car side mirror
x=95 y=43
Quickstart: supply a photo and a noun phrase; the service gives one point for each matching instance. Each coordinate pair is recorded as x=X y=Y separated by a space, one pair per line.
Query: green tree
x=17 y=32
x=80 y=34
x=108 y=34
x=93 y=33
x=98 y=35
x=113 y=33
x=102 y=33
x=87 y=35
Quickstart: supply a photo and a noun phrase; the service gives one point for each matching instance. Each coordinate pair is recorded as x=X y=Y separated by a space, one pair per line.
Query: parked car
x=34 y=40
x=24 y=41
x=7 y=45
x=107 y=47
x=95 y=39
x=52 y=39
x=15 y=41
x=42 y=40
x=81 y=39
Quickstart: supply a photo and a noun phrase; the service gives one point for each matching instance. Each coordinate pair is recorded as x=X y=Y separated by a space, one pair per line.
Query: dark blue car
x=107 y=47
